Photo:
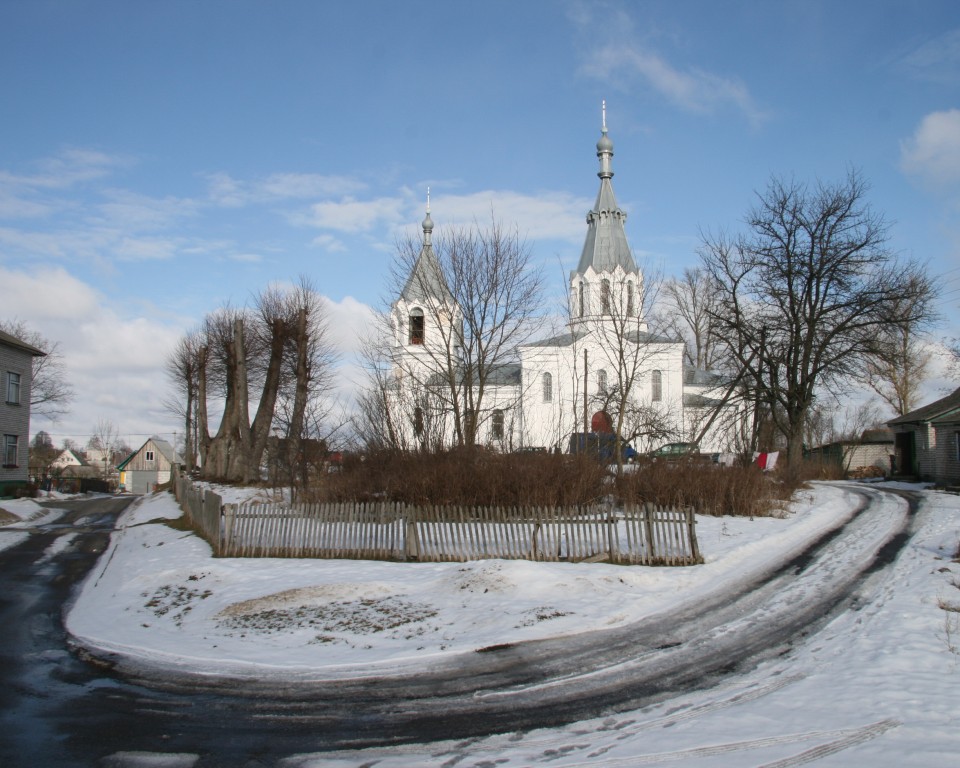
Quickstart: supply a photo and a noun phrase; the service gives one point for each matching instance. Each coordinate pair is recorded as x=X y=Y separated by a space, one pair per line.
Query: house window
x=11 y=445
x=416 y=326
x=13 y=387
x=602 y=380
x=418 y=421
x=605 y=297
x=148 y=455
x=547 y=388
x=656 y=385
x=496 y=424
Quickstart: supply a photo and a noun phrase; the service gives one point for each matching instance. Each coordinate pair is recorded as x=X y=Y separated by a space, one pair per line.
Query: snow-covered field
x=877 y=686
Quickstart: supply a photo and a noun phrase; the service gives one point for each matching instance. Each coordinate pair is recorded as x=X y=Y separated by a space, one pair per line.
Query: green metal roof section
x=606 y=244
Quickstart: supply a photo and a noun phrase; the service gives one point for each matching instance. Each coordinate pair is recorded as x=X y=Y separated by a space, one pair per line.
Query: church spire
x=427 y=223
x=605 y=149
x=606 y=244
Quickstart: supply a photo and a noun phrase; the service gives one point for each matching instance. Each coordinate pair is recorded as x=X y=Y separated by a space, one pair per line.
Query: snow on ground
x=24 y=514
x=876 y=686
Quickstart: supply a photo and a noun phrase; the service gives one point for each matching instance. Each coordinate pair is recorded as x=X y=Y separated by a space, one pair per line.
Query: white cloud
x=229 y=192
x=546 y=216
x=351 y=215
x=933 y=152
x=692 y=89
x=329 y=243
x=937 y=59
x=114 y=363
x=133 y=211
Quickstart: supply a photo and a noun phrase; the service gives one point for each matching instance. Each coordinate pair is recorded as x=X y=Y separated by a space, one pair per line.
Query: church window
x=605 y=297
x=416 y=326
x=496 y=424
x=580 y=299
x=602 y=380
x=630 y=311
x=547 y=388
x=470 y=425
x=656 y=385
x=418 y=421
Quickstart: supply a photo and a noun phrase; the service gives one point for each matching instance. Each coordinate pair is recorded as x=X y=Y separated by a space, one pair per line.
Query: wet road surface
x=58 y=709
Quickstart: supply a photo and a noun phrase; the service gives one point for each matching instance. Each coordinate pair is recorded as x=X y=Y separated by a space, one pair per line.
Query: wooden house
x=927 y=441
x=148 y=466
x=16 y=381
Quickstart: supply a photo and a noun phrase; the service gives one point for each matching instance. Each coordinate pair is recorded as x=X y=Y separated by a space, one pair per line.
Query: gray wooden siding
x=15 y=419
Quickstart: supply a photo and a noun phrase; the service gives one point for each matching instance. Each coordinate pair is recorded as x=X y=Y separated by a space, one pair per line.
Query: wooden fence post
x=411 y=544
x=692 y=528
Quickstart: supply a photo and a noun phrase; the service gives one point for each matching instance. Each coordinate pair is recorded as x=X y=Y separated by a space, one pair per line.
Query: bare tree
x=689 y=309
x=629 y=358
x=901 y=356
x=480 y=296
x=279 y=352
x=105 y=440
x=182 y=368
x=50 y=394
x=804 y=293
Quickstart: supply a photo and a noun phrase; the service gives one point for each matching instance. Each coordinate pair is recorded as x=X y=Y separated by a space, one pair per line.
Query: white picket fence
x=385 y=531
x=644 y=535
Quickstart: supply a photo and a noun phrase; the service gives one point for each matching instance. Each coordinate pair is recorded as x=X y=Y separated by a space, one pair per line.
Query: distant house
x=71 y=464
x=148 y=466
x=870 y=456
x=16 y=380
x=927 y=441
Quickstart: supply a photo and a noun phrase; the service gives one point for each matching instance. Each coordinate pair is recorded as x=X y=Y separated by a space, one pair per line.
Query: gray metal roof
x=939 y=409
x=13 y=341
x=606 y=243
x=571 y=337
x=426 y=279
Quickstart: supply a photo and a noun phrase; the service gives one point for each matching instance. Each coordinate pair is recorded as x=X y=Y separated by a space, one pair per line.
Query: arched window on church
x=547 y=388
x=580 y=300
x=496 y=424
x=630 y=309
x=656 y=386
x=602 y=380
x=416 y=324
x=418 y=421
x=605 y=296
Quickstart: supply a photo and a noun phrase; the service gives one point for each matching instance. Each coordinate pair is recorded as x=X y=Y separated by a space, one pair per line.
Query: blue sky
x=159 y=159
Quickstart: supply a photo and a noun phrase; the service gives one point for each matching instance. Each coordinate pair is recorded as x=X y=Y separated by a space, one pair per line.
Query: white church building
x=607 y=372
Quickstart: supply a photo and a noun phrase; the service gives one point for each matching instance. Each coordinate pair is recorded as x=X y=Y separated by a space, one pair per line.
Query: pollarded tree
x=277 y=350
x=804 y=293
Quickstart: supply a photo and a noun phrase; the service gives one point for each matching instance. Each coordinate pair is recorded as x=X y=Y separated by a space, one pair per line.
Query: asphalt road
x=58 y=709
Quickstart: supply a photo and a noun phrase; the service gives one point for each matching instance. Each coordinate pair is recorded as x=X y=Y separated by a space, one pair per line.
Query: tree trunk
x=295 y=437
x=268 y=399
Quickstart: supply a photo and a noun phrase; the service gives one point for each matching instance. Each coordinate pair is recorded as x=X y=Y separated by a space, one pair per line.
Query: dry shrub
x=468 y=477
x=711 y=489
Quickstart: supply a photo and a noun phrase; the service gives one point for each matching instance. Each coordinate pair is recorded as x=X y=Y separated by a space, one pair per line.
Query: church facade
x=606 y=372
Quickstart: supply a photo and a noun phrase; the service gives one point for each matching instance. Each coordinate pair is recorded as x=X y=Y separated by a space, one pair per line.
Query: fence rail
x=644 y=535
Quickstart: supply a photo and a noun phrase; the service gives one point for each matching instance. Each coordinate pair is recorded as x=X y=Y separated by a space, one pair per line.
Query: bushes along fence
x=642 y=534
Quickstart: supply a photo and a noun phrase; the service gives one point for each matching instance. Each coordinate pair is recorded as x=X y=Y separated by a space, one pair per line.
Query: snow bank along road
x=565 y=679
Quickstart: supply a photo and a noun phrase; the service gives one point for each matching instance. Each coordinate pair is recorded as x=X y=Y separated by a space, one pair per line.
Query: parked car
x=685 y=451
x=675 y=451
